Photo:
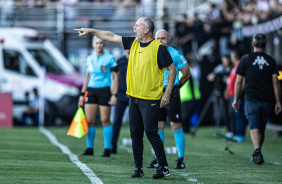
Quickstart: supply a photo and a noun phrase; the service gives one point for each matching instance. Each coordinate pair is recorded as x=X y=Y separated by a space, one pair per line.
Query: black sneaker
x=153 y=164
x=180 y=164
x=161 y=172
x=138 y=173
x=106 y=153
x=88 y=152
x=257 y=158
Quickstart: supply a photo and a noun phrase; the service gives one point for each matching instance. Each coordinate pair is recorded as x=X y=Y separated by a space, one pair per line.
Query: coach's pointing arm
x=104 y=35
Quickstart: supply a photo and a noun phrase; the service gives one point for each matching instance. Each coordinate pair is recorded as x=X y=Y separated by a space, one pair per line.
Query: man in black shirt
x=261 y=85
x=145 y=80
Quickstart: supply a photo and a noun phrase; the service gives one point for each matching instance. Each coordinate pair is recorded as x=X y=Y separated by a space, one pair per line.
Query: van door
x=19 y=78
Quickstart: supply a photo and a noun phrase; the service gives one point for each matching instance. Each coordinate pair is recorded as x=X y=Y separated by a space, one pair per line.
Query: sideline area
x=27 y=155
x=74 y=158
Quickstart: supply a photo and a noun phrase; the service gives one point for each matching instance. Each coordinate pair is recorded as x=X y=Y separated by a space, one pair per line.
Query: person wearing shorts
x=173 y=109
x=99 y=66
x=261 y=86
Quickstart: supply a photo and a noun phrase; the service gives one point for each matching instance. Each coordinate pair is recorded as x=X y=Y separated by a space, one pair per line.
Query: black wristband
x=82 y=93
x=115 y=94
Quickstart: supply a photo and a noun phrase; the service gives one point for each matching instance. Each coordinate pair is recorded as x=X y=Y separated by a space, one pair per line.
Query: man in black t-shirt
x=145 y=80
x=261 y=86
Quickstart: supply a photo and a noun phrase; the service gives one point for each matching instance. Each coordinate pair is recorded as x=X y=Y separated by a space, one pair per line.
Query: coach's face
x=163 y=37
x=139 y=29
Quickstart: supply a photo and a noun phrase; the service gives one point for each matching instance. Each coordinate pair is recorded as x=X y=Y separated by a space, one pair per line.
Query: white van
x=29 y=61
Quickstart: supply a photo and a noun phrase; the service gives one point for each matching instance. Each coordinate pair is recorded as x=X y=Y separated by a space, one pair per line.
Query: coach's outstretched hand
x=83 y=31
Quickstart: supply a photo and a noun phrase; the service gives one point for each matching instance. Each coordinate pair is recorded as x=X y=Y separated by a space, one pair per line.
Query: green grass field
x=27 y=156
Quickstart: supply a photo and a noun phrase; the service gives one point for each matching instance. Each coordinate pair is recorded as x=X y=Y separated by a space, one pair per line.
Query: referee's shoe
x=88 y=152
x=180 y=164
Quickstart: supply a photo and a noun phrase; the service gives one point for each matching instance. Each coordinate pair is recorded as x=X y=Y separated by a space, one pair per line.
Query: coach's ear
x=146 y=30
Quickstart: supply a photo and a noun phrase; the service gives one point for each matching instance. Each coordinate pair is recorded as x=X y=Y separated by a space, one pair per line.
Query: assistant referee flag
x=78 y=125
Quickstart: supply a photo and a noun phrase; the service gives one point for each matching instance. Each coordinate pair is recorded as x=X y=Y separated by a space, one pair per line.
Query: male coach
x=261 y=85
x=145 y=80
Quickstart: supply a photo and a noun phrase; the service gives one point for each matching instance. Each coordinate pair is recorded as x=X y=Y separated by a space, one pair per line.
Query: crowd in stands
x=222 y=23
x=43 y=3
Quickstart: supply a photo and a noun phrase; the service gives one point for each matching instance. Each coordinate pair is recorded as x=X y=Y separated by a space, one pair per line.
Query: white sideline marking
x=275 y=163
x=129 y=150
x=126 y=142
x=74 y=158
x=193 y=180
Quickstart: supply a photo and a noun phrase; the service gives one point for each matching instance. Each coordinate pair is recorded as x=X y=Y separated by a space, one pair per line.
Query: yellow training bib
x=144 y=78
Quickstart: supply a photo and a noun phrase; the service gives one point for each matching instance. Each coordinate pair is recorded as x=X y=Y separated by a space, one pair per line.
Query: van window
x=14 y=61
x=45 y=59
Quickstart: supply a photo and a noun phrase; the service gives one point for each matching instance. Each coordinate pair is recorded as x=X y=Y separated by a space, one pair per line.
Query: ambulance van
x=29 y=61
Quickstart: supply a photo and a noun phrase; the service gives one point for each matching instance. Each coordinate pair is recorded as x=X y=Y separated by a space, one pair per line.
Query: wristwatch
x=115 y=94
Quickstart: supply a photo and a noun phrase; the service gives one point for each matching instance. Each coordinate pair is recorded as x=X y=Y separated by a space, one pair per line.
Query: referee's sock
x=108 y=134
x=180 y=142
x=161 y=133
x=90 y=136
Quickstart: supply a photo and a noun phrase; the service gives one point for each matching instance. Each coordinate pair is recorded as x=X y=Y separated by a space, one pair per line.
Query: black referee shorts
x=101 y=96
x=173 y=109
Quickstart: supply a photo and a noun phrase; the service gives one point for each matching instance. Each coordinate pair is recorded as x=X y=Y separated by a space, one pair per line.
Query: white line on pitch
x=74 y=158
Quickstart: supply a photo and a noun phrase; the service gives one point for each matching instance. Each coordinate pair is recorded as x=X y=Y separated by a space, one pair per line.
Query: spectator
x=276 y=7
x=184 y=35
x=165 y=19
x=32 y=110
x=214 y=14
x=240 y=119
x=226 y=19
x=198 y=31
